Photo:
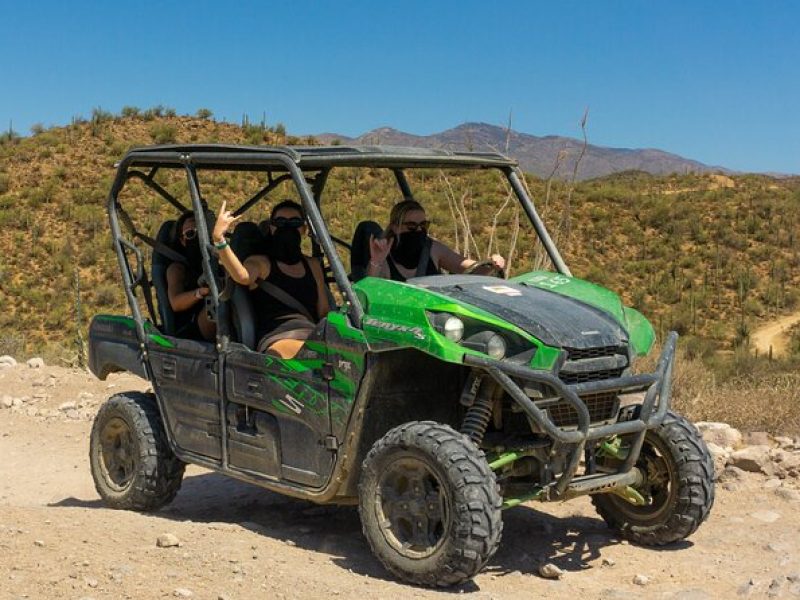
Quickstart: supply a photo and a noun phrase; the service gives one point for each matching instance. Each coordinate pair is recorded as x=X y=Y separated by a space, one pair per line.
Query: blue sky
x=715 y=81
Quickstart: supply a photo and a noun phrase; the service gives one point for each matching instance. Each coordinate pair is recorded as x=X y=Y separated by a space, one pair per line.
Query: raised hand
x=498 y=261
x=378 y=249
x=223 y=223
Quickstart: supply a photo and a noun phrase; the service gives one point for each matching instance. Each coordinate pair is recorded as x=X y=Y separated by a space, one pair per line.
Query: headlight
x=449 y=326
x=496 y=347
x=487 y=342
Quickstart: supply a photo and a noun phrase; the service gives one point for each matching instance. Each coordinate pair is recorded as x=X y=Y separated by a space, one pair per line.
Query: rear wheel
x=429 y=504
x=678 y=487
x=132 y=464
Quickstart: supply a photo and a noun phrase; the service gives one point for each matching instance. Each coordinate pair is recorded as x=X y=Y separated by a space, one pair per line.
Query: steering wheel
x=494 y=270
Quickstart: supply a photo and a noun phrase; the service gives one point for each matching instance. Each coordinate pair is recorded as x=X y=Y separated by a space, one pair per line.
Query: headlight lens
x=487 y=342
x=496 y=347
x=453 y=329
x=449 y=326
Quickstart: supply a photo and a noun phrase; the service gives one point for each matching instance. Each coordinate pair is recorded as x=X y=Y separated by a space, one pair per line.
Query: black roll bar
x=536 y=221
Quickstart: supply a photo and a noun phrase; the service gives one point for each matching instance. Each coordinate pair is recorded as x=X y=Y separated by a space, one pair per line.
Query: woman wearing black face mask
x=398 y=255
x=185 y=297
x=284 y=266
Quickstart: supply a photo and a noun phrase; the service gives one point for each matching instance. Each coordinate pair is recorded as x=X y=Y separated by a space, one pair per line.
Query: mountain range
x=543 y=156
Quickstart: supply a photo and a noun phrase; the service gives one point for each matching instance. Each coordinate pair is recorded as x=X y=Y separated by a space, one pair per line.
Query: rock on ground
x=721 y=434
x=754 y=459
x=7 y=361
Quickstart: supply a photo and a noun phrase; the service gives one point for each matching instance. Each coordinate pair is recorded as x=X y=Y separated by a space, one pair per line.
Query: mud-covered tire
x=678 y=445
x=460 y=501
x=132 y=464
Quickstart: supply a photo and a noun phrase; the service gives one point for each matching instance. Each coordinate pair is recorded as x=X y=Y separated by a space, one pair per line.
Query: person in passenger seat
x=397 y=255
x=185 y=295
x=282 y=323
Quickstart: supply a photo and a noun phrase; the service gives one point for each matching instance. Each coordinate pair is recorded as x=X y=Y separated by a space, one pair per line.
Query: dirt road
x=240 y=542
x=774 y=334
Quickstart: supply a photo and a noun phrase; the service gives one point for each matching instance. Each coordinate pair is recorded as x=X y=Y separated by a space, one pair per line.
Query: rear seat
x=246 y=240
x=170 y=321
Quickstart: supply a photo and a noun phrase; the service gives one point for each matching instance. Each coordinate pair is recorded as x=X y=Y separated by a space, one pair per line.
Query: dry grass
x=751 y=394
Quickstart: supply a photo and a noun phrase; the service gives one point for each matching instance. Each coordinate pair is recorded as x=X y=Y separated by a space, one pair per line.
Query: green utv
x=434 y=404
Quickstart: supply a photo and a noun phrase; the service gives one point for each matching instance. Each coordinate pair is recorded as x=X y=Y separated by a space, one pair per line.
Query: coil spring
x=479 y=414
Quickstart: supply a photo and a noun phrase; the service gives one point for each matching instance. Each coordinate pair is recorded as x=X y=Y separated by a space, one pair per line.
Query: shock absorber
x=479 y=412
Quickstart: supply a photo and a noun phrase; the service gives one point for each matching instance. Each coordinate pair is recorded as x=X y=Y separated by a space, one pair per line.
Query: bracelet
x=221 y=245
x=376 y=265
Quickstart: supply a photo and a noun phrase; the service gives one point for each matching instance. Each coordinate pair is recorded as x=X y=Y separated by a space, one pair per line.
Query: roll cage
x=308 y=167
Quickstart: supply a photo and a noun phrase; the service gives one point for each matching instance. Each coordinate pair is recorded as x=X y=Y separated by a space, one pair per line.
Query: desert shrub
x=37 y=128
x=8 y=137
x=106 y=295
x=204 y=113
x=130 y=111
x=5 y=183
x=163 y=133
x=153 y=112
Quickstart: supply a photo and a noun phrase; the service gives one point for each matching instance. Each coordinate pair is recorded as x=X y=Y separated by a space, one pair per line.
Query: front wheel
x=678 y=486
x=132 y=464
x=429 y=504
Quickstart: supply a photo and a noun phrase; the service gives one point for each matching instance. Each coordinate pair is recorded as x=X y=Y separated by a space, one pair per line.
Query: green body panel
x=395 y=316
x=152 y=333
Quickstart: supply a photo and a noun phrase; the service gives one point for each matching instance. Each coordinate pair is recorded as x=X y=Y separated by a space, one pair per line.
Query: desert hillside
x=709 y=255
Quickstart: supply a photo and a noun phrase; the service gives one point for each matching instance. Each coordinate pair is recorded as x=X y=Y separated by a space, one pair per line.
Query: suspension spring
x=480 y=413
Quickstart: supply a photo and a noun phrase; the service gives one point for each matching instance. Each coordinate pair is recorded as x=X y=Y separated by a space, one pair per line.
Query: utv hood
x=554 y=318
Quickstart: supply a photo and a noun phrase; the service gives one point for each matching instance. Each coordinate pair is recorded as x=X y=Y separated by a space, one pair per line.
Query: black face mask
x=407 y=248
x=285 y=245
x=192 y=253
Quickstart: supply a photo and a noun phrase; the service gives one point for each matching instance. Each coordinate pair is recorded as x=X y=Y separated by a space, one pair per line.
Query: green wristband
x=221 y=245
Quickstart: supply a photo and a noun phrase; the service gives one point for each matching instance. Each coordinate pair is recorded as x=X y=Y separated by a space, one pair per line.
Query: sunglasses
x=294 y=222
x=414 y=225
x=189 y=234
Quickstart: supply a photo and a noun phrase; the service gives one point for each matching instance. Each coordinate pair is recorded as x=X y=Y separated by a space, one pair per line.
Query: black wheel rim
x=412 y=507
x=659 y=487
x=118 y=453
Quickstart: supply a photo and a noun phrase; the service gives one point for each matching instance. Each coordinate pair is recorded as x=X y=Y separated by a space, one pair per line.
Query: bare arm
x=323 y=308
x=448 y=259
x=179 y=298
x=378 y=251
x=244 y=274
x=454 y=263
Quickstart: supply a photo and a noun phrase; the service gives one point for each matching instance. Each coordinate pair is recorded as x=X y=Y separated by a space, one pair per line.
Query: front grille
x=570 y=378
x=611 y=362
x=602 y=406
x=581 y=353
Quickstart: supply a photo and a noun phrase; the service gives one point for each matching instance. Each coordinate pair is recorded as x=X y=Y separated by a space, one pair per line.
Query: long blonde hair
x=398 y=215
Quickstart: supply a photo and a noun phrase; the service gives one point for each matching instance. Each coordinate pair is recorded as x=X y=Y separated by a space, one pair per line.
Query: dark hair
x=189 y=214
x=287 y=203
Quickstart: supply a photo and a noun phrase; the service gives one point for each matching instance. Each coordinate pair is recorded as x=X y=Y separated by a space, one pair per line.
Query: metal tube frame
x=536 y=221
x=657 y=385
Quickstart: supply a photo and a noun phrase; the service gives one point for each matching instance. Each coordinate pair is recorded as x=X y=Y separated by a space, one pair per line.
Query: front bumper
x=657 y=387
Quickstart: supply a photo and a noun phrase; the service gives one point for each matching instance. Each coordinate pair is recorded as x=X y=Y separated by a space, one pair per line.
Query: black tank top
x=268 y=310
x=396 y=275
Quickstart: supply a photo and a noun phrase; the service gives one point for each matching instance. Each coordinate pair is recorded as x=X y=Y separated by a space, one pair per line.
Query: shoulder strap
x=162 y=248
x=424 y=257
x=156 y=245
x=284 y=298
